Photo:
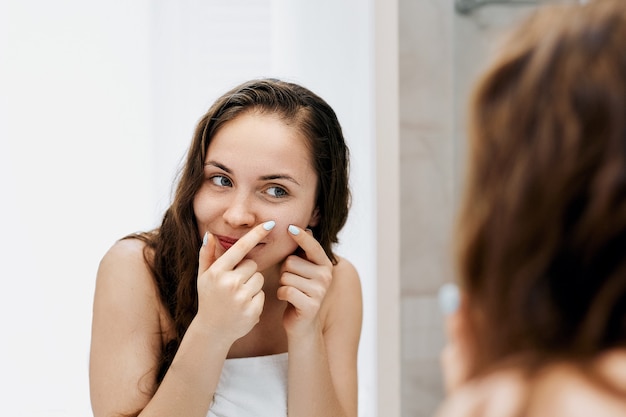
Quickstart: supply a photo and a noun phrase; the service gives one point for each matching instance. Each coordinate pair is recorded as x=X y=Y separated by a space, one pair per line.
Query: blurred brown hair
x=541 y=233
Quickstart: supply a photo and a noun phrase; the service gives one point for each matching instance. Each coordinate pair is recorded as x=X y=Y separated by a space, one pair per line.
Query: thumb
x=206 y=256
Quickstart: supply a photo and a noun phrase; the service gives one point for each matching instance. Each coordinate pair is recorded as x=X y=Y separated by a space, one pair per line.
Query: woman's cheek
x=283 y=236
x=297 y=214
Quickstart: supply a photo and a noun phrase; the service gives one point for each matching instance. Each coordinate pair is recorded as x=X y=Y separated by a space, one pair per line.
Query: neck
x=271 y=282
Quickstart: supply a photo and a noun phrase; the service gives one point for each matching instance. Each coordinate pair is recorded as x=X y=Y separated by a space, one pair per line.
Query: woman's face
x=256 y=169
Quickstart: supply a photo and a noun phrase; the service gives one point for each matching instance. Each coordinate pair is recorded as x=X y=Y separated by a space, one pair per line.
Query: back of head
x=542 y=229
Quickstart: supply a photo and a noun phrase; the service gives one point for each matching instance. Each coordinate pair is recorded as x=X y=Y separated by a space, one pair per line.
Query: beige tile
x=422 y=328
x=426 y=211
x=422 y=388
x=426 y=41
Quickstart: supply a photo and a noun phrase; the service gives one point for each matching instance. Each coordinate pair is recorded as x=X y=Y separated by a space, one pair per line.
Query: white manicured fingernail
x=269 y=225
x=205 y=239
x=293 y=230
x=449 y=298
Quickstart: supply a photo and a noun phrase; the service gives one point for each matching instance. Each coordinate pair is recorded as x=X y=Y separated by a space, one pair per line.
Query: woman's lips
x=226 y=242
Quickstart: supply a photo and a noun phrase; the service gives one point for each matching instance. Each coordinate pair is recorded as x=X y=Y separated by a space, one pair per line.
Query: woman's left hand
x=304 y=282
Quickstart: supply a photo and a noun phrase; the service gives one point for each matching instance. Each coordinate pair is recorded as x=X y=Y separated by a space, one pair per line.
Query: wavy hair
x=172 y=249
x=541 y=232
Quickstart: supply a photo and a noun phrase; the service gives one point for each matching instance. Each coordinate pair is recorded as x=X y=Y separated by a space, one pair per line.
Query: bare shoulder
x=124 y=278
x=343 y=301
x=499 y=394
x=612 y=365
x=565 y=389
x=345 y=273
x=124 y=253
x=125 y=261
x=346 y=283
x=558 y=390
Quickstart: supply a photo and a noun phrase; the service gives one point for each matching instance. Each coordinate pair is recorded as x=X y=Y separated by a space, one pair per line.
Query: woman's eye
x=277 y=192
x=221 y=181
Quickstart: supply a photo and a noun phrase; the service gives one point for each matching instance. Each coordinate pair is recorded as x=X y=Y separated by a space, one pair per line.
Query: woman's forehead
x=263 y=142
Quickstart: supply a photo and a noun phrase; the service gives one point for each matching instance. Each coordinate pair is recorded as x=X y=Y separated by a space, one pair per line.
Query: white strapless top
x=252 y=387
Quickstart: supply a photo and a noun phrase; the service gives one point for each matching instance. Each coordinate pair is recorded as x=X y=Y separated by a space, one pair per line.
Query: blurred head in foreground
x=541 y=235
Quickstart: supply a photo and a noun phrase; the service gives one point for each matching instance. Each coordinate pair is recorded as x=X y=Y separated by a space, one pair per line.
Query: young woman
x=236 y=305
x=540 y=328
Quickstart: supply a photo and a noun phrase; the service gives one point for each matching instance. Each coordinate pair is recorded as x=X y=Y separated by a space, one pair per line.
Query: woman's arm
x=126 y=346
x=127 y=332
x=313 y=359
x=323 y=324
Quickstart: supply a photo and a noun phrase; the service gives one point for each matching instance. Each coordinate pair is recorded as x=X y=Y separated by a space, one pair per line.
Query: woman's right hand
x=230 y=295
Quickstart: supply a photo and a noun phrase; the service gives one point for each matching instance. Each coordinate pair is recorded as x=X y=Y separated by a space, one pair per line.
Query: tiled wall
x=441 y=52
x=427 y=174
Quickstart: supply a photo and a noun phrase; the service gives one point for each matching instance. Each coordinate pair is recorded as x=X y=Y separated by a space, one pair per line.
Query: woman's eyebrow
x=262 y=178
x=279 y=177
x=218 y=165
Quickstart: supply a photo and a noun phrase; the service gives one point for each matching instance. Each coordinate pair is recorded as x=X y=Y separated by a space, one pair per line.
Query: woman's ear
x=315 y=218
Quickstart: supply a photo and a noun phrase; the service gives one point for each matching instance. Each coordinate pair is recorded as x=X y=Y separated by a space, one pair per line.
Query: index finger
x=240 y=249
x=314 y=251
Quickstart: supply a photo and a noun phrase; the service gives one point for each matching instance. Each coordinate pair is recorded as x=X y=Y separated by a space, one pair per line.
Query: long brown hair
x=172 y=249
x=541 y=233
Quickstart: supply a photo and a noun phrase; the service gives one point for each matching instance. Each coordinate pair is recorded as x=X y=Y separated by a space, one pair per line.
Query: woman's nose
x=240 y=212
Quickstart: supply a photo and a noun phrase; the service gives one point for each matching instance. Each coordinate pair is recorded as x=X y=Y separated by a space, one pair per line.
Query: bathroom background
x=98 y=101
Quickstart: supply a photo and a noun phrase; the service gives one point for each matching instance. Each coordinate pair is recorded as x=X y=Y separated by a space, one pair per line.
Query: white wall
x=98 y=101
x=75 y=175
